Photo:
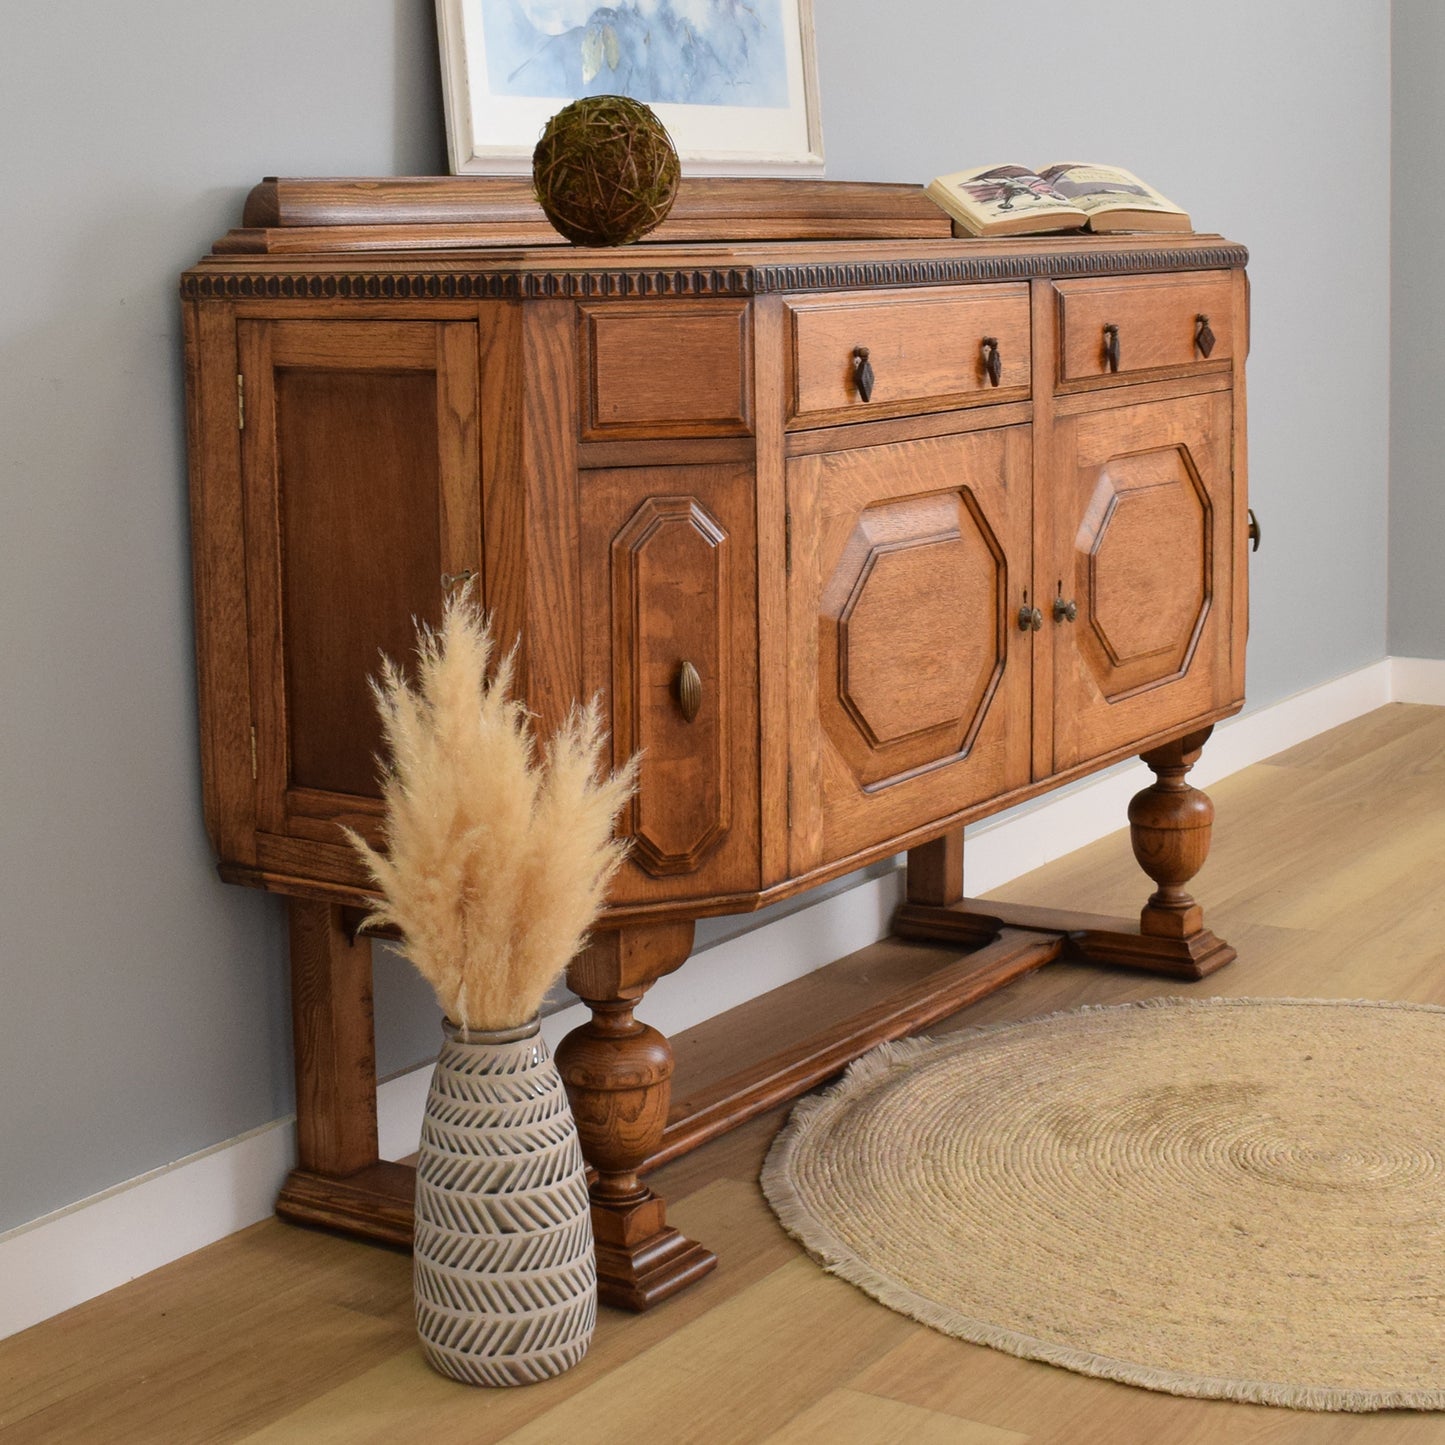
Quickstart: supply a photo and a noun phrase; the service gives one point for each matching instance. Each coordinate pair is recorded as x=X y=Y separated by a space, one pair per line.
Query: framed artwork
x=734 y=81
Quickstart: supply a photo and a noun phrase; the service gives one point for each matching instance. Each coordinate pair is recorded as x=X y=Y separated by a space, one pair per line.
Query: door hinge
x=240 y=402
x=788 y=805
x=787 y=544
x=254 y=770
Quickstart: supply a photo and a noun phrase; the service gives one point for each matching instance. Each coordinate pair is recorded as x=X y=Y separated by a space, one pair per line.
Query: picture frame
x=735 y=85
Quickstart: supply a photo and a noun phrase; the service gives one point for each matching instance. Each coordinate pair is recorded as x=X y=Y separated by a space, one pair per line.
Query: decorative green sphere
x=605 y=170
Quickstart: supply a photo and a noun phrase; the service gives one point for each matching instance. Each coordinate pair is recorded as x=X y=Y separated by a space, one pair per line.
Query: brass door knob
x=1030 y=618
x=687 y=687
x=1065 y=610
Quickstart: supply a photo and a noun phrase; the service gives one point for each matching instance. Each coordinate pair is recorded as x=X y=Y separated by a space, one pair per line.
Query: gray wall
x=1417 y=415
x=155 y=994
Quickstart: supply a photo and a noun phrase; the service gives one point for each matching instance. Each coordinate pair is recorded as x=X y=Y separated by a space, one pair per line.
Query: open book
x=1013 y=200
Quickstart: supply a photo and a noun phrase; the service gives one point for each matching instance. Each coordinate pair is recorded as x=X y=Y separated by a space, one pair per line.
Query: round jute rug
x=1235 y=1198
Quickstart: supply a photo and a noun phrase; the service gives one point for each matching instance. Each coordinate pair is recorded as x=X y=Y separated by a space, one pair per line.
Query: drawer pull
x=862 y=373
x=1203 y=336
x=1111 y=345
x=1253 y=531
x=688 y=688
x=992 y=361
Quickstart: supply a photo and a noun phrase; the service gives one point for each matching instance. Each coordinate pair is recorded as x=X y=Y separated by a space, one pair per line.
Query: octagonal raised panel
x=672 y=584
x=911 y=639
x=1144 y=549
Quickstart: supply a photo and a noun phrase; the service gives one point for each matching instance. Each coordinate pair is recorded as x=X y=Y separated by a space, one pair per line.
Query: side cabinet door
x=1142 y=528
x=910 y=681
x=362 y=493
x=670 y=641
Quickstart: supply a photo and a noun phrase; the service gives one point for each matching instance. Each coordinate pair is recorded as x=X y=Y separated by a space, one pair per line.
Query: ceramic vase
x=504 y=1275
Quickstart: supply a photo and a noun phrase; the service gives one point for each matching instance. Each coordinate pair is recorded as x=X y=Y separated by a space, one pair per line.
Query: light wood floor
x=1326 y=875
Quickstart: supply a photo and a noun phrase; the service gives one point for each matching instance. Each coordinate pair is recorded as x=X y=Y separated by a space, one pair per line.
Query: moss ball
x=605 y=170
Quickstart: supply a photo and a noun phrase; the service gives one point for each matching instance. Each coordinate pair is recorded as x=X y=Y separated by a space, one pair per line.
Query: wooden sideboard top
x=467 y=238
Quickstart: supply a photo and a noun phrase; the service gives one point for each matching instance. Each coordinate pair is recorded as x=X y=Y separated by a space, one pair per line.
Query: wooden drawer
x=1159 y=322
x=926 y=349
x=665 y=369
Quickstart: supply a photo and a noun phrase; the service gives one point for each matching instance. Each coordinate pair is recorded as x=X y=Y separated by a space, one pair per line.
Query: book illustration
x=1093 y=188
x=1011 y=188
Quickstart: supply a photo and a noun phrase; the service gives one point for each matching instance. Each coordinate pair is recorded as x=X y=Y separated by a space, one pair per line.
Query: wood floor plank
x=849 y=1417
x=402 y=1398
x=1326 y=875
x=730 y=1375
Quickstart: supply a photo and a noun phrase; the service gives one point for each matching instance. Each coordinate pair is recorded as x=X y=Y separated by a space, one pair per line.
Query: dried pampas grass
x=497 y=863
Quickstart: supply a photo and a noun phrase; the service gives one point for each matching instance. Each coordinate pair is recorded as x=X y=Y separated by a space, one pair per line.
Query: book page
x=1099 y=188
x=1003 y=193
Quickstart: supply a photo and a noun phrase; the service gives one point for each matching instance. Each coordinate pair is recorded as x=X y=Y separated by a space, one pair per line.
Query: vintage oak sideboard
x=863 y=531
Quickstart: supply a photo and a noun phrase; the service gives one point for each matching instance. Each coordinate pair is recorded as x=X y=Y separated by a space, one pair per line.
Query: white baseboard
x=1419 y=679
x=98 y=1243
x=92 y=1246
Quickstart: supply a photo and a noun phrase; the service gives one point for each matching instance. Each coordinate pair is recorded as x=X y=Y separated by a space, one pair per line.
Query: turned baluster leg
x=1169 y=825
x=618 y=1073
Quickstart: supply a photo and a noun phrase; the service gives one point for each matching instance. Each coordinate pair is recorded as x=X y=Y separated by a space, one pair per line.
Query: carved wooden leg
x=618 y=1073
x=1170 y=824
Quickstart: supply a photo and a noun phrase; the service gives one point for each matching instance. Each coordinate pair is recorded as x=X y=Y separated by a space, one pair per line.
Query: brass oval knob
x=1253 y=531
x=1111 y=345
x=862 y=373
x=1065 y=610
x=1203 y=336
x=687 y=688
x=1030 y=618
x=456 y=579
x=992 y=361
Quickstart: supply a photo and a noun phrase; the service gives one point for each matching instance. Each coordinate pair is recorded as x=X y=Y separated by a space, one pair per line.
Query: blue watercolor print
x=679 y=52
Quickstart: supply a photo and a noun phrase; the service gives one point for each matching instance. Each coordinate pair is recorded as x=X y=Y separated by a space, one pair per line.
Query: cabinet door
x=1142 y=525
x=669 y=622
x=361 y=475
x=910 y=694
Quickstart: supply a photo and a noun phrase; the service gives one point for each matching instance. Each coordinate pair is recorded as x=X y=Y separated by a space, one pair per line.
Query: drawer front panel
x=1158 y=323
x=665 y=369
x=927 y=351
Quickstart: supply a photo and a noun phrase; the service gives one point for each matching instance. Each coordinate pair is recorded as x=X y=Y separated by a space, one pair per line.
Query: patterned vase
x=504 y=1275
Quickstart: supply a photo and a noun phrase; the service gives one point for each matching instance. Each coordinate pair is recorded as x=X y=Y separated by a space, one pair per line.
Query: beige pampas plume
x=497 y=862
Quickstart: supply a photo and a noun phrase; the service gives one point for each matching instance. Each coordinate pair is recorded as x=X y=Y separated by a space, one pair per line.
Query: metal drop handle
x=862 y=373
x=1111 y=345
x=456 y=579
x=1203 y=336
x=992 y=361
x=687 y=687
